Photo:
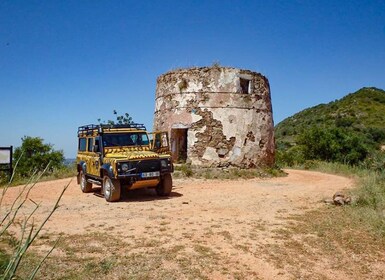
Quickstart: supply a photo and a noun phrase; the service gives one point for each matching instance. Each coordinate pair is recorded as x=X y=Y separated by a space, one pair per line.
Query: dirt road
x=192 y=200
x=234 y=221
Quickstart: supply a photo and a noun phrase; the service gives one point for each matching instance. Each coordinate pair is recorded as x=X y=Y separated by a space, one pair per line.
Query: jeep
x=122 y=157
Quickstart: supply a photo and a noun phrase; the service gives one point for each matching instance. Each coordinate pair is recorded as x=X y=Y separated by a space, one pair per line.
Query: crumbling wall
x=227 y=111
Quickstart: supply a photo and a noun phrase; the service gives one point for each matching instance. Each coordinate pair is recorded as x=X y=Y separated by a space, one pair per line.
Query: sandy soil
x=228 y=209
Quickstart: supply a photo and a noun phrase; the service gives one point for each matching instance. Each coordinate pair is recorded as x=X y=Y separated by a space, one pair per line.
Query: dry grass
x=98 y=256
x=314 y=245
x=331 y=238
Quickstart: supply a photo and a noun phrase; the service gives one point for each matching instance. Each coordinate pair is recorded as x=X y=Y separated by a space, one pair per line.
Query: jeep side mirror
x=95 y=148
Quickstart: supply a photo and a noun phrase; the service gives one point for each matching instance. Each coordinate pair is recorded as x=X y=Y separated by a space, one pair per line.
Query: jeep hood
x=130 y=155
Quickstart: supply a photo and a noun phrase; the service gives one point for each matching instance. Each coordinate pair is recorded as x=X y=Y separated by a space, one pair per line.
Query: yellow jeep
x=123 y=156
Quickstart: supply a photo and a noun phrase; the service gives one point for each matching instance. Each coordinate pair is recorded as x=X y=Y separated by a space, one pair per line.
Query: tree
x=120 y=119
x=333 y=144
x=34 y=156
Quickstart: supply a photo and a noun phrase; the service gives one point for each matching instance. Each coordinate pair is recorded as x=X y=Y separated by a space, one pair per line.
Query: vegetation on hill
x=350 y=130
x=344 y=136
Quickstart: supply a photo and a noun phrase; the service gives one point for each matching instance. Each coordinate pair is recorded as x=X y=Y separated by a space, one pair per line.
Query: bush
x=34 y=156
x=185 y=169
x=376 y=134
x=333 y=145
x=291 y=157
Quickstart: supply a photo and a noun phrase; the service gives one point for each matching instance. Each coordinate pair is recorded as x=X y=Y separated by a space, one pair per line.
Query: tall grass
x=10 y=215
x=370 y=201
x=368 y=196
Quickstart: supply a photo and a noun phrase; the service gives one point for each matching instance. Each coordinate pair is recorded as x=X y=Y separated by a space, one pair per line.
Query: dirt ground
x=234 y=223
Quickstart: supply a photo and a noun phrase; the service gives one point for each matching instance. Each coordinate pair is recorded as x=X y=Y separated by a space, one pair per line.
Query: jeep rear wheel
x=165 y=186
x=85 y=186
x=111 y=189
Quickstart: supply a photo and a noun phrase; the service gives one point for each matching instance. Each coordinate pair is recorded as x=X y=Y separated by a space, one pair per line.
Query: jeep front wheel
x=111 y=189
x=85 y=186
x=165 y=186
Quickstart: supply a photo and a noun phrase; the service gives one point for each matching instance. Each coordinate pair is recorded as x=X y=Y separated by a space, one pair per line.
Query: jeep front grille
x=140 y=166
x=148 y=165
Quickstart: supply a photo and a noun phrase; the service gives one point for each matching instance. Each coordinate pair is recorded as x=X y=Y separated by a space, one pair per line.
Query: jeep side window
x=82 y=144
x=164 y=140
x=157 y=143
x=90 y=144
x=96 y=147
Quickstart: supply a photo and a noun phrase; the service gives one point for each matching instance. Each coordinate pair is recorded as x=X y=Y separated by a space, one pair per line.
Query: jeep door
x=160 y=142
x=93 y=159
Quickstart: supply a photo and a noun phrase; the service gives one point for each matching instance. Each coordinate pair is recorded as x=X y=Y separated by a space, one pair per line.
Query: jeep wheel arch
x=105 y=170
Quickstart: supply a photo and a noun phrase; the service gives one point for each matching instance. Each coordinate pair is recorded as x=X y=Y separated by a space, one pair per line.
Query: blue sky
x=67 y=63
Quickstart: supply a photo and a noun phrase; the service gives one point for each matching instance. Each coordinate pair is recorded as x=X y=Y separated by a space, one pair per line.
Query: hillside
x=362 y=112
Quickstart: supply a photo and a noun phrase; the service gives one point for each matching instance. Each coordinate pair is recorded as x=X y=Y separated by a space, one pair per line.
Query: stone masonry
x=216 y=116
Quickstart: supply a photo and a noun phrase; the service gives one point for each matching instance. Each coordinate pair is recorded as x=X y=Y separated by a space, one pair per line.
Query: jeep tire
x=165 y=186
x=85 y=186
x=111 y=189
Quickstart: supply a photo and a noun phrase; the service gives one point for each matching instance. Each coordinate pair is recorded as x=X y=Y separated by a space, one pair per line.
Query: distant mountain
x=69 y=161
x=361 y=112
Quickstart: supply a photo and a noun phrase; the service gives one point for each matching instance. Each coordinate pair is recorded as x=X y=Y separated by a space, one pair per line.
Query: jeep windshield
x=126 y=139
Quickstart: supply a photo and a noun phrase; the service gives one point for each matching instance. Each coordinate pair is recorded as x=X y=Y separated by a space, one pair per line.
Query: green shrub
x=310 y=164
x=291 y=157
x=333 y=144
x=186 y=170
x=34 y=156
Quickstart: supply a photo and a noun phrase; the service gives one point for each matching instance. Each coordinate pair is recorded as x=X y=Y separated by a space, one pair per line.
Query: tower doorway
x=179 y=144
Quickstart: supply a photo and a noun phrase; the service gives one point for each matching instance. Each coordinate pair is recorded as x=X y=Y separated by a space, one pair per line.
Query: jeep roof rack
x=101 y=127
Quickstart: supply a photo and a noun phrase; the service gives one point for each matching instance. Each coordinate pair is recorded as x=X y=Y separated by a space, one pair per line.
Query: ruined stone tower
x=216 y=116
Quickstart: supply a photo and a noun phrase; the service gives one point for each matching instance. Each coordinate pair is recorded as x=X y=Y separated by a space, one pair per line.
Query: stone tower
x=216 y=116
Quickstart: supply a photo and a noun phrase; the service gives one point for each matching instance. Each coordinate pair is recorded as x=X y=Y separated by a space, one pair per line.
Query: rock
x=348 y=200
x=338 y=194
x=341 y=199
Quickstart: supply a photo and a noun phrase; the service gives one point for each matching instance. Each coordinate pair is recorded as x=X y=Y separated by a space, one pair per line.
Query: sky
x=64 y=64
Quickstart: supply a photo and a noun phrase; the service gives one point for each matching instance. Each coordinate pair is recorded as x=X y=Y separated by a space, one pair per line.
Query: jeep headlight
x=163 y=163
x=124 y=167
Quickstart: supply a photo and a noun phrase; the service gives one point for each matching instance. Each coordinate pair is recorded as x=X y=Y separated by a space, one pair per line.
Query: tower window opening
x=245 y=85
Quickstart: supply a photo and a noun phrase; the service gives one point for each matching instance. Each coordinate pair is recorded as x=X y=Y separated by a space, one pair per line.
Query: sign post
x=6 y=160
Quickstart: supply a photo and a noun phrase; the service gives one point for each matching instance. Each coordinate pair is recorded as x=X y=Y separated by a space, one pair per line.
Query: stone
x=338 y=194
x=339 y=201
x=348 y=200
x=340 y=198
